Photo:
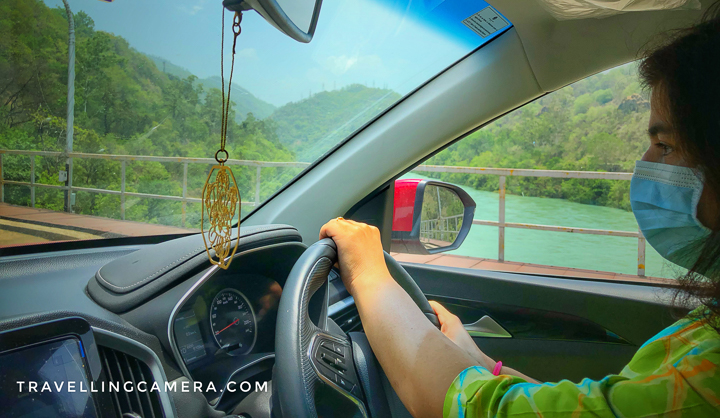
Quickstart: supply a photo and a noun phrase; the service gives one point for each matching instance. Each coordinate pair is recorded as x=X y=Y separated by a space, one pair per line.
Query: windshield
x=147 y=102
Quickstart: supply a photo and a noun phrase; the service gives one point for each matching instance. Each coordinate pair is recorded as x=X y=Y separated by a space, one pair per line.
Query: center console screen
x=48 y=380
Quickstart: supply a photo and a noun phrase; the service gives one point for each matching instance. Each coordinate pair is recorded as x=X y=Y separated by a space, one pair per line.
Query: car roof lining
x=562 y=52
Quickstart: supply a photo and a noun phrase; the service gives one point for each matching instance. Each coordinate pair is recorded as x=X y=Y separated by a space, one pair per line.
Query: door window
x=551 y=184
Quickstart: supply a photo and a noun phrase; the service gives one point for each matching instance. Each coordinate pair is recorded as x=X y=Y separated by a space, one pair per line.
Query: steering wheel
x=311 y=359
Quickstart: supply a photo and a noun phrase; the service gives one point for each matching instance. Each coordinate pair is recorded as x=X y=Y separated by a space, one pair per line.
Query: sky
x=396 y=44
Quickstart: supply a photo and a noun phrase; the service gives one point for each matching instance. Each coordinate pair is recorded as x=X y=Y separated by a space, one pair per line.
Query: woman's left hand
x=452 y=327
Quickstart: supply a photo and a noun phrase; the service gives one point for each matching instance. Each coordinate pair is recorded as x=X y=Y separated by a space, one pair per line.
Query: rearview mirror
x=430 y=217
x=295 y=18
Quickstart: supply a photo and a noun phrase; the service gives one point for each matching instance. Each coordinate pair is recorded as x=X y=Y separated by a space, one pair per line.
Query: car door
x=550 y=328
x=553 y=278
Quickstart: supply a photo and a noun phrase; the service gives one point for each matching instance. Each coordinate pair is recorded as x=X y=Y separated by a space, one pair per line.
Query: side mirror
x=295 y=18
x=430 y=217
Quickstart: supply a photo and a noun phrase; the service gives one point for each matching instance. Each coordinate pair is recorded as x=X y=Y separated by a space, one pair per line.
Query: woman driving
x=674 y=196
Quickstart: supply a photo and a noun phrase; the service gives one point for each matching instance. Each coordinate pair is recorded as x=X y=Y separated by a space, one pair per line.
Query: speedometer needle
x=231 y=324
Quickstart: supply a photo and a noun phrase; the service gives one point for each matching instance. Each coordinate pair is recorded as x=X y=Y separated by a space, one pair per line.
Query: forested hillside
x=597 y=124
x=245 y=102
x=312 y=126
x=123 y=105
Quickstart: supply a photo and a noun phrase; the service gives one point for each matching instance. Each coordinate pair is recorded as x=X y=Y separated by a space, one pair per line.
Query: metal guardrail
x=502 y=173
x=440 y=229
x=123 y=159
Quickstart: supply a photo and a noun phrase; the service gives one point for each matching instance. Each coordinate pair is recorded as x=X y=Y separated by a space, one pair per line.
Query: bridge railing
x=444 y=228
x=124 y=159
x=502 y=174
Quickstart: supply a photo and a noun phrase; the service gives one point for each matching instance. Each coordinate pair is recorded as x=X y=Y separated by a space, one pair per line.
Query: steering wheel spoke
x=331 y=357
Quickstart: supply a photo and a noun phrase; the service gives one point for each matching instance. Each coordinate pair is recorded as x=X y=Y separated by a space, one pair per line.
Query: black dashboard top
x=177 y=283
x=127 y=282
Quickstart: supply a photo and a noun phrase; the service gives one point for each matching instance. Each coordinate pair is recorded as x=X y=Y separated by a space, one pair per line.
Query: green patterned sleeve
x=478 y=393
x=473 y=388
x=674 y=373
x=690 y=386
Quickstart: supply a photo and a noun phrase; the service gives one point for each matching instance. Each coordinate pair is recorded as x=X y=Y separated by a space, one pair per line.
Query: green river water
x=594 y=252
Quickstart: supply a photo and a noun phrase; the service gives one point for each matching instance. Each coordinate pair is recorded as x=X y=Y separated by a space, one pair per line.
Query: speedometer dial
x=232 y=321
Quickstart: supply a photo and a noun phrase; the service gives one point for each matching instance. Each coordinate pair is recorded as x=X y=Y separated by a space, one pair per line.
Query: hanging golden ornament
x=221 y=197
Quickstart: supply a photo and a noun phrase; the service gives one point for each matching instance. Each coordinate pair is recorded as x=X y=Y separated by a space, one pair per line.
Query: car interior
x=156 y=310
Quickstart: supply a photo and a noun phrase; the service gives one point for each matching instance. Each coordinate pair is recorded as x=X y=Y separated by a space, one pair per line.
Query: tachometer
x=232 y=320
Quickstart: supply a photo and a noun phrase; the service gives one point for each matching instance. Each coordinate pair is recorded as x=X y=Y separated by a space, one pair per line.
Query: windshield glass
x=147 y=102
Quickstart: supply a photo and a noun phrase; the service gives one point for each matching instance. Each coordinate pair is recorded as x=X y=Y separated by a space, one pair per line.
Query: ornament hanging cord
x=237 y=19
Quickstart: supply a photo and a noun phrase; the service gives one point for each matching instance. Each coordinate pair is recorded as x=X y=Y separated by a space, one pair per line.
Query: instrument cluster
x=228 y=321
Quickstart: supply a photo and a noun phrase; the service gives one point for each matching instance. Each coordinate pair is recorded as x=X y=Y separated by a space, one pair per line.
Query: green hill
x=168 y=67
x=245 y=102
x=312 y=126
x=334 y=114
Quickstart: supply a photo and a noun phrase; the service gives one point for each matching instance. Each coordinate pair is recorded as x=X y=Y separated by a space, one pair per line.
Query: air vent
x=348 y=319
x=120 y=367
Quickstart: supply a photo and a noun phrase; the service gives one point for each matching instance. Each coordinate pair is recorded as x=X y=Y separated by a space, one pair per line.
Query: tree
x=583 y=103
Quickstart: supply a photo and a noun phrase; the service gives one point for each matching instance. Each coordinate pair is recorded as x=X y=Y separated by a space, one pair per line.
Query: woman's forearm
x=419 y=360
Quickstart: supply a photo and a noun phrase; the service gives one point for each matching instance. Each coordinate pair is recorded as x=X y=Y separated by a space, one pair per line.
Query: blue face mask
x=664 y=200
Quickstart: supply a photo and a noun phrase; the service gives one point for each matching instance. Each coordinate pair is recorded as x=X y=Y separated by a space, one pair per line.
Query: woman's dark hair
x=686 y=72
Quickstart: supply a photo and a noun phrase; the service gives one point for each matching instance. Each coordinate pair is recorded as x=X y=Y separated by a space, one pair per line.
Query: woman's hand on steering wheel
x=360 y=252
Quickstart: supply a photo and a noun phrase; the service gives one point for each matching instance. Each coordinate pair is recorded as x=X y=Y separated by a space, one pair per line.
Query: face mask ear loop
x=698 y=189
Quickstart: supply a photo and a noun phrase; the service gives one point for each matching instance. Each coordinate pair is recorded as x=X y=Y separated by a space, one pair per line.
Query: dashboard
x=157 y=313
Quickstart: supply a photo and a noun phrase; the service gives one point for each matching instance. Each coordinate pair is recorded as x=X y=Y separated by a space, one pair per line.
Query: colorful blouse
x=675 y=373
